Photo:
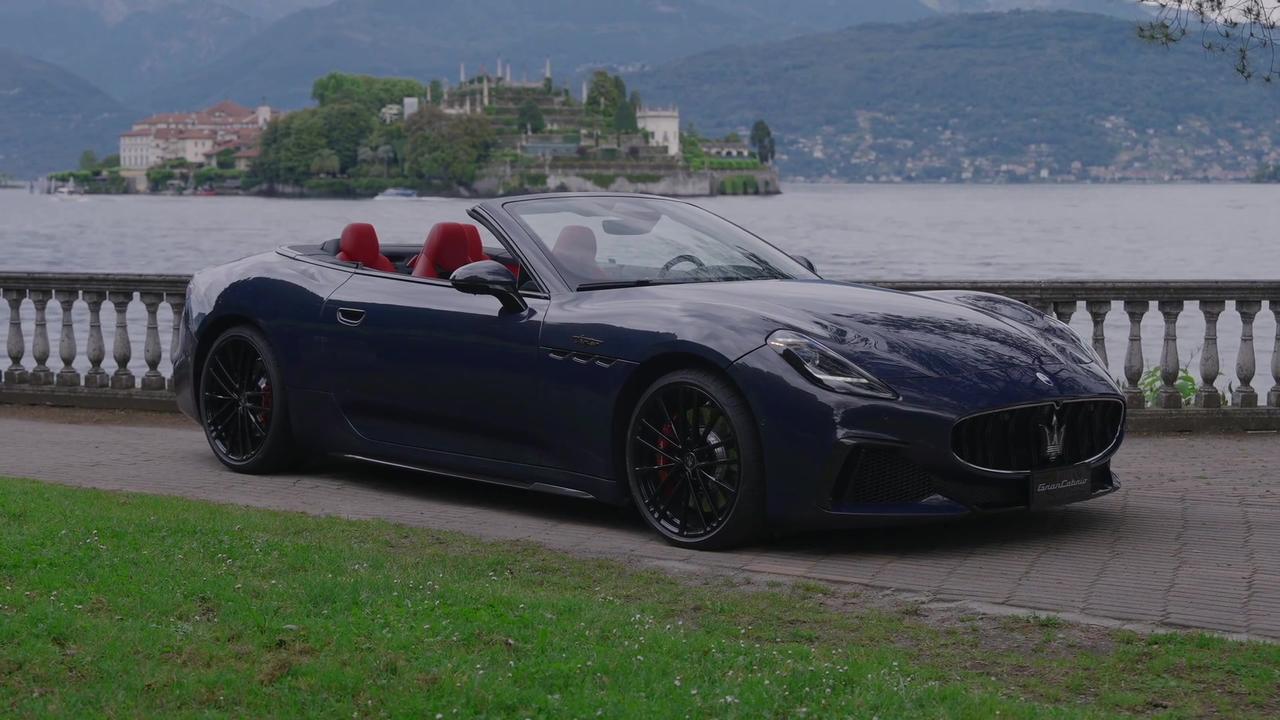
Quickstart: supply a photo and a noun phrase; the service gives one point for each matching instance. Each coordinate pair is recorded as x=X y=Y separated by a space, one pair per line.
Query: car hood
x=888 y=333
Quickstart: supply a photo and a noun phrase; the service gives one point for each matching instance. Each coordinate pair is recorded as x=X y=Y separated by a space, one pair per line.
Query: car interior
x=448 y=246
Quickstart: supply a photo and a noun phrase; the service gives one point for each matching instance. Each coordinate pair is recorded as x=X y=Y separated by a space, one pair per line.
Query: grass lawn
x=117 y=605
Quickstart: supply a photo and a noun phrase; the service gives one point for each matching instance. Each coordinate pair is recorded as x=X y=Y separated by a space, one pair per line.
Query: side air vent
x=874 y=474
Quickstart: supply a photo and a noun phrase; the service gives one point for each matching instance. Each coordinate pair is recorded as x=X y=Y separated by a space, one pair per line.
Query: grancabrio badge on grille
x=1054 y=435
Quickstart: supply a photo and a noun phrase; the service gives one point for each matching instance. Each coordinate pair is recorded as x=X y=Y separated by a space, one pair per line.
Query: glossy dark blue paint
x=415 y=372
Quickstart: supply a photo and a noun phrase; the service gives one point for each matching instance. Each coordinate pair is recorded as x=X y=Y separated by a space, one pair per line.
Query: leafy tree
x=88 y=160
x=365 y=155
x=110 y=161
x=530 y=117
x=762 y=141
x=385 y=154
x=370 y=93
x=624 y=117
x=347 y=126
x=226 y=159
x=604 y=93
x=289 y=145
x=1241 y=28
x=326 y=162
x=447 y=150
x=733 y=137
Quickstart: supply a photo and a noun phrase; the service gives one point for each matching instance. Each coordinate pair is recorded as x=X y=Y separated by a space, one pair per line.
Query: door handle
x=350 y=317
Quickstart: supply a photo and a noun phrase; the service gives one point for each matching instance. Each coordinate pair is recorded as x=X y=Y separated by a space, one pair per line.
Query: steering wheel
x=666 y=269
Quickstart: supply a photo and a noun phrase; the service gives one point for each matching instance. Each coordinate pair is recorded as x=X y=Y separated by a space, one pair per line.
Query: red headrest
x=449 y=246
x=576 y=249
x=360 y=244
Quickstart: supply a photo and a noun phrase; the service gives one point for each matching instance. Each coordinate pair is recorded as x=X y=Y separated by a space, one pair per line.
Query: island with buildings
x=488 y=134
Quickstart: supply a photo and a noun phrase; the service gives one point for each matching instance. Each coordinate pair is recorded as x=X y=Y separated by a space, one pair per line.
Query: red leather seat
x=360 y=244
x=449 y=246
x=575 y=248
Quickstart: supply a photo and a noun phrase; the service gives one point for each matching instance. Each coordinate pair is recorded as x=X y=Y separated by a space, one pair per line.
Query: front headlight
x=825 y=367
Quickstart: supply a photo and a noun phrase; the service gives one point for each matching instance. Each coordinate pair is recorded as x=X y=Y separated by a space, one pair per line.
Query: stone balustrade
x=114 y=386
x=29 y=377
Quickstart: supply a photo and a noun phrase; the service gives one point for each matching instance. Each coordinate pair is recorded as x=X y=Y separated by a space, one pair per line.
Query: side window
x=498 y=250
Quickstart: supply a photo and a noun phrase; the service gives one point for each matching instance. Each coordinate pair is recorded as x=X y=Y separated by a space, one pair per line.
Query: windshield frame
x=795 y=269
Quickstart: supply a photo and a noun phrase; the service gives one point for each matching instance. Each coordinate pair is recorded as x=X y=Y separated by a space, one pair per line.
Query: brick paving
x=1192 y=540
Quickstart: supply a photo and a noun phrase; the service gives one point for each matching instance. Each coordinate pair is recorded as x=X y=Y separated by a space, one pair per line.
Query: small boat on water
x=397 y=194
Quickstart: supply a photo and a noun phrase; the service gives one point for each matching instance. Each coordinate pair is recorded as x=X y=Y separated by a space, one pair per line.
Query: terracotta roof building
x=196 y=137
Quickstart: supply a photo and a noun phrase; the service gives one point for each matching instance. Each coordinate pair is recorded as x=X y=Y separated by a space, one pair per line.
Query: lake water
x=851 y=231
x=866 y=232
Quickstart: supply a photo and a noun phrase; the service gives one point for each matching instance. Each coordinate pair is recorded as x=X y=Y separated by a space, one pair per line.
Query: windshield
x=603 y=242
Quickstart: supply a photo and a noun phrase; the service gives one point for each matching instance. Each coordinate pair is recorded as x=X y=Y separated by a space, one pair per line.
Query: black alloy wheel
x=693 y=462
x=242 y=403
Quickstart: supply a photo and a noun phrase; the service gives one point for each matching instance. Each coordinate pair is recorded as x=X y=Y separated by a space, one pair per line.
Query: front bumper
x=811 y=436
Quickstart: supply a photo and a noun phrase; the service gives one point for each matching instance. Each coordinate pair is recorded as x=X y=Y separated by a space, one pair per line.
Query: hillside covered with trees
x=41 y=106
x=984 y=97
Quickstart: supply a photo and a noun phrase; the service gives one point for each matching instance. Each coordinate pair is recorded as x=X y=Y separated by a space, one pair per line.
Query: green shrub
x=602 y=180
x=1151 y=383
x=330 y=187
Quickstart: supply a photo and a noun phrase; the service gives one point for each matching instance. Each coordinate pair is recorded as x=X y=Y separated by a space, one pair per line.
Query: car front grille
x=874 y=474
x=1038 y=436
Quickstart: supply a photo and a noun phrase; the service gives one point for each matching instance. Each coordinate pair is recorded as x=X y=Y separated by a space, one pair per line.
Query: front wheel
x=694 y=462
x=243 y=404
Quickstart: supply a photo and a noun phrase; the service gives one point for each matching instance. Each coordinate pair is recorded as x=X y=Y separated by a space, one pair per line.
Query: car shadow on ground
x=1059 y=527
x=1062 y=526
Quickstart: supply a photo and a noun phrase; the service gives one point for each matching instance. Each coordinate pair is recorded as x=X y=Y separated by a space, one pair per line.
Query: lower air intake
x=880 y=475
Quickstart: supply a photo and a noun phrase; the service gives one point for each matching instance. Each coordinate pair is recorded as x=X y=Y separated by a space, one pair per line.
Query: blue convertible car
x=641 y=350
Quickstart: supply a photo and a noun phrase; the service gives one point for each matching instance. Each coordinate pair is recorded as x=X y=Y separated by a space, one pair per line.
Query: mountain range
x=726 y=62
x=166 y=54
x=1025 y=89
x=48 y=116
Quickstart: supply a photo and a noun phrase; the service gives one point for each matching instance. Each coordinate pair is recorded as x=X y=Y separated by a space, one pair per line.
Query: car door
x=415 y=362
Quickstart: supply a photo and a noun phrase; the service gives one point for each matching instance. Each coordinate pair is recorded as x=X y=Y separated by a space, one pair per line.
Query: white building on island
x=663 y=126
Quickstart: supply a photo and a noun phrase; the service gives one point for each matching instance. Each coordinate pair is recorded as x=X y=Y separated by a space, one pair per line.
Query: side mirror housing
x=489 y=277
x=805 y=262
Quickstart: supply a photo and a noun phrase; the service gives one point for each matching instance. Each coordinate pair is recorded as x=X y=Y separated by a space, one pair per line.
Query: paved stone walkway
x=1192 y=540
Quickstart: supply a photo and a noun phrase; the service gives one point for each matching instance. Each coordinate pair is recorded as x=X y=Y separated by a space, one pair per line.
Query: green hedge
x=739 y=185
x=353 y=187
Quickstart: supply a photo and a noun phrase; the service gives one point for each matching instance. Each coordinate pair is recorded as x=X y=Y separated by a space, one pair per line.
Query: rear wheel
x=243 y=404
x=693 y=462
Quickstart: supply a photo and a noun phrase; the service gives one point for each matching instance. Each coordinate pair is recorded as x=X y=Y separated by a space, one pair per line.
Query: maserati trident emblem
x=1054 y=435
x=1044 y=379
x=587 y=341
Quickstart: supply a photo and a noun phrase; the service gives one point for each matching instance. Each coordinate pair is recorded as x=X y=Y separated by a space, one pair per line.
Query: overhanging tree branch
x=1245 y=29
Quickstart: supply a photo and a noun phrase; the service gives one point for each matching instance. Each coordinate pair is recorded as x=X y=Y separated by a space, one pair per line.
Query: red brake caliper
x=666 y=487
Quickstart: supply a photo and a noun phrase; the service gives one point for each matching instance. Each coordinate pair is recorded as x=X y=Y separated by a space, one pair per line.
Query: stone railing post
x=40 y=374
x=122 y=350
x=1133 y=363
x=152 y=380
x=177 y=303
x=1273 y=397
x=16 y=345
x=1170 y=368
x=67 y=376
x=1098 y=311
x=96 y=350
x=1065 y=310
x=1246 y=364
x=1207 y=395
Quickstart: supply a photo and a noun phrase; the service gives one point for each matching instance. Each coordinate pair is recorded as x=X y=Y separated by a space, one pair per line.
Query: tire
x=694 y=463
x=244 y=405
